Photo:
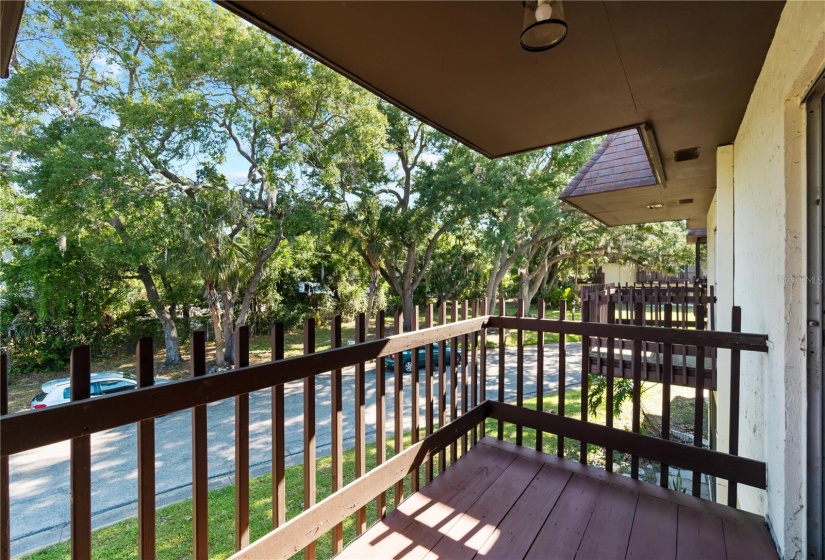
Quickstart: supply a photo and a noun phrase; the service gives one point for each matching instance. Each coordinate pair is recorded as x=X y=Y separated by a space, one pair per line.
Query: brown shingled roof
x=620 y=162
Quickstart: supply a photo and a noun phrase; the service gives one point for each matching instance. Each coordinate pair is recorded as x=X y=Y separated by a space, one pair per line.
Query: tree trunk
x=373 y=285
x=524 y=289
x=228 y=300
x=187 y=321
x=170 y=330
x=407 y=308
x=215 y=312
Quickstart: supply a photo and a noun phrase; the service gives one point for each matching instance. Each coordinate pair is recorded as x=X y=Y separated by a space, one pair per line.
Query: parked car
x=406 y=358
x=58 y=391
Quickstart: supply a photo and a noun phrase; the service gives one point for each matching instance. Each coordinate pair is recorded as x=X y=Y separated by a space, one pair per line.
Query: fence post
x=540 y=372
x=735 y=380
x=146 y=456
x=5 y=526
x=81 y=460
x=278 y=434
x=637 y=388
x=380 y=413
x=241 y=445
x=200 y=464
x=337 y=431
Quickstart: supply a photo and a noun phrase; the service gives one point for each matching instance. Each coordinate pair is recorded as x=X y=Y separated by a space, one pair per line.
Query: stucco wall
x=615 y=273
x=769 y=270
x=722 y=254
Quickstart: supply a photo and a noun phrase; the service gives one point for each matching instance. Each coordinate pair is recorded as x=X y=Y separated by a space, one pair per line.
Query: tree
x=181 y=89
x=527 y=226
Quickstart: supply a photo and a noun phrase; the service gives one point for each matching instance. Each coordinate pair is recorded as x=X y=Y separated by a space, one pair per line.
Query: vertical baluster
x=453 y=380
x=540 y=373
x=242 y=445
x=146 y=456
x=474 y=379
x=714 y=352
x=563 y=372
x=637 y=389
x=698 y=411
x=278 y=433
x=667 y=377
x=585 y=382
x=483 y=359
x=501 y=356
x=611 y=373
x=200 y=472
x=399 y=407
x=380 y=414
x=428 y=386
x=309 y=431
x=5 y=526
x=735 y=376
x=519 y=369
x=474 y=370
x=442 y=384
x=462 y=365
x=81 y=460
x=337 y=431
x=360 y=420
x=415 y=401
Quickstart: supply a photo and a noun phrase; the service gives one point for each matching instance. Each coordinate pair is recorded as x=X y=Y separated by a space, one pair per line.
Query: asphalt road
x=40 y=491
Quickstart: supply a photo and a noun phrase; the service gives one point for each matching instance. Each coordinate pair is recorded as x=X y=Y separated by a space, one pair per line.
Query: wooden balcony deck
x=505 y=501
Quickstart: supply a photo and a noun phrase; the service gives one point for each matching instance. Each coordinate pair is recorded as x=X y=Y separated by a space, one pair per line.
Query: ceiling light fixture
x=655 y=206
x=544 y=25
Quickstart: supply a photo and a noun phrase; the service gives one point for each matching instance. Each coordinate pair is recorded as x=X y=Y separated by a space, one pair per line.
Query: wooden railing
x=453 y=421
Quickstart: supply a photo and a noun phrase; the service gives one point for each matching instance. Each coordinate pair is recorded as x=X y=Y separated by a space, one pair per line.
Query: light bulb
x=543 y=12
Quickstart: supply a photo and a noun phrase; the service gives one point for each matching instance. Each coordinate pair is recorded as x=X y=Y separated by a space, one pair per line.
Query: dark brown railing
x=462 y=403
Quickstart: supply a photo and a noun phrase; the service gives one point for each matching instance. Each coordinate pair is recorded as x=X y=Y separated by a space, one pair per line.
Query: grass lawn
x=174 y=522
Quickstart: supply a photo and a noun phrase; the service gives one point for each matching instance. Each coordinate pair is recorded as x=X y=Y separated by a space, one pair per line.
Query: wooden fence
x=453 y=420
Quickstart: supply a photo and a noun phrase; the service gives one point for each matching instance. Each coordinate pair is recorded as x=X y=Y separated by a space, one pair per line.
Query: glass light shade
x=544 y=25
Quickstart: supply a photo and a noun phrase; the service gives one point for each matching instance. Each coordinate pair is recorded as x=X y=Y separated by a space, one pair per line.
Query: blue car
x=406 y=358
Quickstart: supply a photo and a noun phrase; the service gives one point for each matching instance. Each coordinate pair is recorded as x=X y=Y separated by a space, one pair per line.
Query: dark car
x=406 y=358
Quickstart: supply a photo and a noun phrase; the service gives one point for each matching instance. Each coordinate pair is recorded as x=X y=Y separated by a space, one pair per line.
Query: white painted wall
x=770 y=267
x=615 y=273
x=721 y=220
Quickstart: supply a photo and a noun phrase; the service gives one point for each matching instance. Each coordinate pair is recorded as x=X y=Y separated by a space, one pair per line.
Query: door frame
x=815 y=111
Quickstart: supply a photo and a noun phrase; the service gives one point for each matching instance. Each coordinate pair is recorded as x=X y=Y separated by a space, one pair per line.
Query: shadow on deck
x=505 y=501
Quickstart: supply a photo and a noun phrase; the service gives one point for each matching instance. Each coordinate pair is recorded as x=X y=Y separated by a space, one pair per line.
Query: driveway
x=40 y=491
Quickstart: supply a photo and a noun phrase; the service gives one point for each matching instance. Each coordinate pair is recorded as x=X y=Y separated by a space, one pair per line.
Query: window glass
x=115 y=386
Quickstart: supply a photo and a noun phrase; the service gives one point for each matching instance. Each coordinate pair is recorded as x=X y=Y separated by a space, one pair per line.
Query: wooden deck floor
x=503 y=501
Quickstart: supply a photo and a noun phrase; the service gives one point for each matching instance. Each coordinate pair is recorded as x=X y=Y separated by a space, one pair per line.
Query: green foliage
x=597 y=392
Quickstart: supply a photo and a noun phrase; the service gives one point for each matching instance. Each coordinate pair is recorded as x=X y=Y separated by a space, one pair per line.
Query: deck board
x=608 y=532
x=562 y=533
x=414 y=527
x=655 y=528
x=516 y=532
x=700 y=536
x=504 y=501
x=470 y=532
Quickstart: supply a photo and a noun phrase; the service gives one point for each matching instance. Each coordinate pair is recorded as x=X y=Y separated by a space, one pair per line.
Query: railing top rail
x=29 y=430
x=715 y=339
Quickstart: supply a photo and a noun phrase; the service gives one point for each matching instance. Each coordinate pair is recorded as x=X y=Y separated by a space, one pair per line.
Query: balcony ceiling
x=685 y=68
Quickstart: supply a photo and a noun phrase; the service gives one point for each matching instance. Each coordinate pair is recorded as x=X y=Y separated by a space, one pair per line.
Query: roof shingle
x=620 y=162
